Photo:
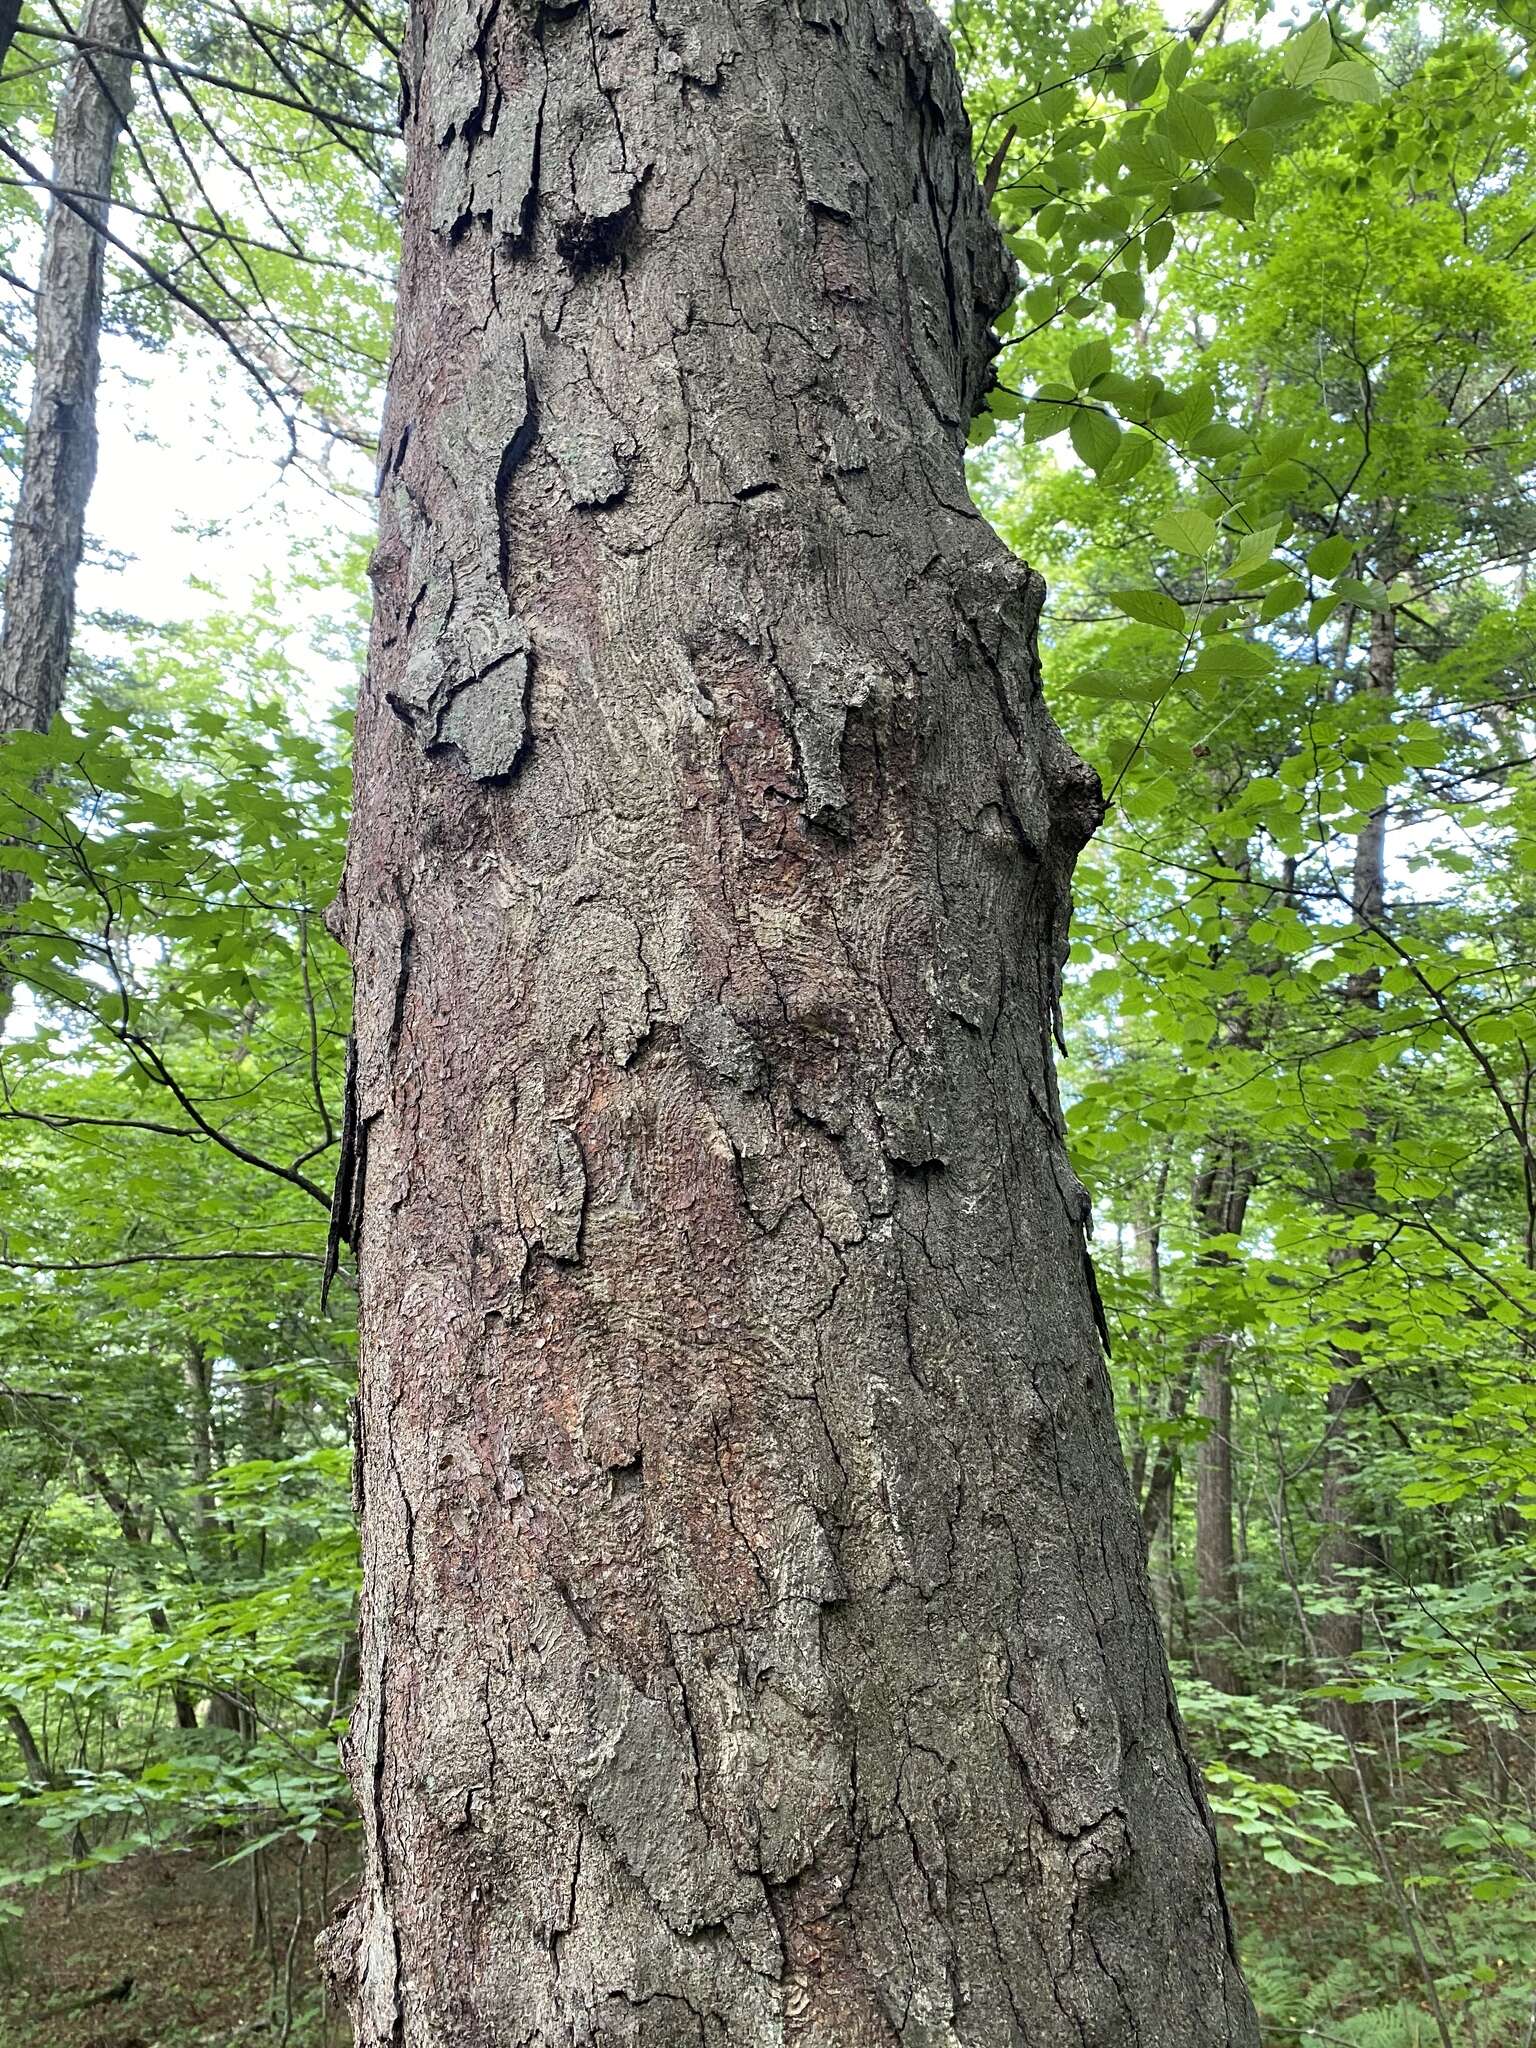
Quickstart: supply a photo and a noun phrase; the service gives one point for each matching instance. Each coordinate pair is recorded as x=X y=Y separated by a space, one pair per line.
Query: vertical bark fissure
x=756 y=1644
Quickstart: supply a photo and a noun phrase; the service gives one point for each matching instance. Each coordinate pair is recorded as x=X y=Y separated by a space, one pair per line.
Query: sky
x=192 y=490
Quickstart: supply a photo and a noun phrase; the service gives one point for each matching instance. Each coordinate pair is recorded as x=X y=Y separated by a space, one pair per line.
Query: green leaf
x=1228 y=656
x=1307 y=56
x=1238 y=197
x=1095 y=436
x=1190 y=125
x=1089 y=361
x=1044 y=420
x=1331 y=555
x=1032 y=254
x=1121 y=689
x=1156 y=243
x=1143 y=80
x=1353 y=81
x=1151 y=607
x=1282 y=598
x=1372 y=595
x=1135 y=452
x=1188 y=529
x=1277 y=106
x=1126 y=293
x=1219 y=438
x=1254 y=551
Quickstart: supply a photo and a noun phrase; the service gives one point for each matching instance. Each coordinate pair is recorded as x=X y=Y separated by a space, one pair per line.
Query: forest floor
x=162 y=1951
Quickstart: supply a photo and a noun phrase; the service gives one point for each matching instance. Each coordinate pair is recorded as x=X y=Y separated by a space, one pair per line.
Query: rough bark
x=756 y=1644
x=59 y=462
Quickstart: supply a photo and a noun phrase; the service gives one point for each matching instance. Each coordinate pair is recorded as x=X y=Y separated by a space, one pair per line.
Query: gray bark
x=59 y=462
x=756 y=1643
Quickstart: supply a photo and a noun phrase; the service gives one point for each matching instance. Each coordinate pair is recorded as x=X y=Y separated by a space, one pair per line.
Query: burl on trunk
x=756 y=1645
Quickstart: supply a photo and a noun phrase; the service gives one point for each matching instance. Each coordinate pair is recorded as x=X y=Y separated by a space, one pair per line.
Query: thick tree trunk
x=756 y=1642
x=59 y=462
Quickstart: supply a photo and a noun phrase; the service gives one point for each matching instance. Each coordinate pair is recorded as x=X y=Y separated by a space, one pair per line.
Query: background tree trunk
x=1215 y=1550
x=1344 y=1550
x=756 y=1643
x=1218 y=1615
x=10 y=16
x=59 y=462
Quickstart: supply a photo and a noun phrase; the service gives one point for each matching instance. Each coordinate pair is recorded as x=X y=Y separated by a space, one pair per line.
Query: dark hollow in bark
x=756 y=1643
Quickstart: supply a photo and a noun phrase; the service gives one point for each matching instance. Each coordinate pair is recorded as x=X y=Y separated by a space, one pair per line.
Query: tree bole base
x=756 y=1645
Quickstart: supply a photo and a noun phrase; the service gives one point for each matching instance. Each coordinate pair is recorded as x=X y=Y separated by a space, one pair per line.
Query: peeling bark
x=756 y=1643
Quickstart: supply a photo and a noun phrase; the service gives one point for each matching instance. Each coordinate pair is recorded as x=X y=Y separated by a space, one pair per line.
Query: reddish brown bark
x=756 y=1642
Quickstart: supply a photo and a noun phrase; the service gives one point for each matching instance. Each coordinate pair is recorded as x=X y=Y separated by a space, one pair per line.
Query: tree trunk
x=10 y=18
x=59 y=459
x=59 y=462
x=1220 y=1203
x=756 y=1643
x=1218 y=1617
x=1215 y=1552
x=1343 y=1552
x=35 y=1763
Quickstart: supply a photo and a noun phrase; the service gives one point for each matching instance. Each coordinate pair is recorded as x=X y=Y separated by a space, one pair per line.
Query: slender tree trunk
x=224 y=1709
x=59 y=462
x=1215 y=1549
x=1218 y=1615
x=136 y=1535
x=1344 y=1551
x=1220 y=1203
x=32 y=1757
x=756 y=1643
x=196 y=1377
